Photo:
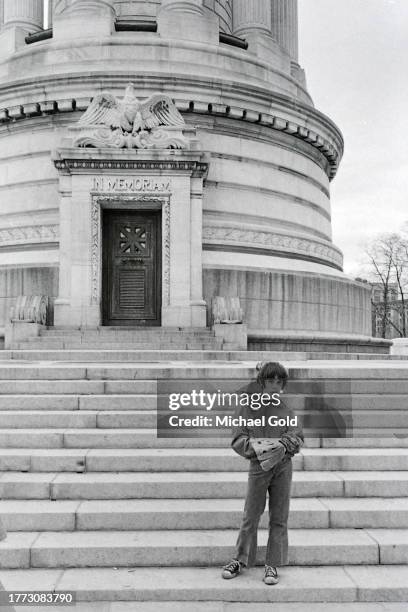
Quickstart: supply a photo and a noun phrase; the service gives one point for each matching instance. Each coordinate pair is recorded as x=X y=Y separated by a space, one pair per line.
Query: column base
x=84 y=23
x=195 y=25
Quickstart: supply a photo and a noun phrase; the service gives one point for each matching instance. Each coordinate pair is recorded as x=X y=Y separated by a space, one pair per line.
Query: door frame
x=106 y=284
x=90 y=180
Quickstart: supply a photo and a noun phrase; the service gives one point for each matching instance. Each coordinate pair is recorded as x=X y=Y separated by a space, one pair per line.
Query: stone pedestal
x=92 y=180
x=20 y=331
x=187 y=20
x=399 y=346
x=235 y=336
x=84 y=19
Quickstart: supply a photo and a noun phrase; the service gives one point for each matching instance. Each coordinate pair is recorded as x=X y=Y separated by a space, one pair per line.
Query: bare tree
x=400 y=269
x=387 y=257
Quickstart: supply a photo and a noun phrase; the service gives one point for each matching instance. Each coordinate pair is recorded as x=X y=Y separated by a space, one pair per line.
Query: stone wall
x=284 y=301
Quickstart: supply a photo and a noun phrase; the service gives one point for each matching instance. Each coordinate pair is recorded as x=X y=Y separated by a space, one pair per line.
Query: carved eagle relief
x=130 y=114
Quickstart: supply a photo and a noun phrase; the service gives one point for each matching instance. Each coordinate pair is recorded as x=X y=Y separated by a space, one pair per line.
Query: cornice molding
x=330 y=150
x=72 y=166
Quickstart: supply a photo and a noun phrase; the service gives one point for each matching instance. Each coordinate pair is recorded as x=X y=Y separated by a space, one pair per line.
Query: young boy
x=269 y=448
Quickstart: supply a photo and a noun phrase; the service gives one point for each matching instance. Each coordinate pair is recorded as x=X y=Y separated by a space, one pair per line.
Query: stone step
x=360 y=401
x=132 y=418
x=54 y=549
x=73 y=402
x=183 y=458
x=158 y=355
x=376 y=388
x=198 y=589
x=77 y=387
x=119 y=355
x=191 y=485
x=207 y=514
x=381 y=391
x=217 y=606
x=199 y=367
x=102 y=438
x=101 y=395
x=50 y=419
x=147 y=439
x=71 y=345
x=223 y=459
x=108 y=330
x=254 y=355
x=59 y=387
x=179 y=460
x=201 y=589
x=130 y=336
x=124 y=337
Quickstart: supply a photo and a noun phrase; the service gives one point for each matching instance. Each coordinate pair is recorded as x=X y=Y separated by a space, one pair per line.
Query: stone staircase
x=123 y=338
x=94 y=502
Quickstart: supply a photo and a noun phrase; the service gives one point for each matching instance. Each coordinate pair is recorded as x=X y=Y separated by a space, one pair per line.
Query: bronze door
x=132 y=270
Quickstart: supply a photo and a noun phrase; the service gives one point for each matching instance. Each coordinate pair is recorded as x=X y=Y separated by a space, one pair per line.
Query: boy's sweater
x=291 y=436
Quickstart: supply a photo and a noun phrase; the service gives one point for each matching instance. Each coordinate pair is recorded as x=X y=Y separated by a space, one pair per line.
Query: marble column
x=251 y=16
x=26 y=14
x=188 y=20
x=50 y=12
x=285 y=25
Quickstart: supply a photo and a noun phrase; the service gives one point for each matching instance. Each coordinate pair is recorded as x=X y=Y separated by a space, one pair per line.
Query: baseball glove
x=268 y=451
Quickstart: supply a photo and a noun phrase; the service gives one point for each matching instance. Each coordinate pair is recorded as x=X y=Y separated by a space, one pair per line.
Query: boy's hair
x=271 y=370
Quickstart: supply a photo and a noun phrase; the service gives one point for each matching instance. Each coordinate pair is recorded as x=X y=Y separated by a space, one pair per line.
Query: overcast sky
x=355 y=53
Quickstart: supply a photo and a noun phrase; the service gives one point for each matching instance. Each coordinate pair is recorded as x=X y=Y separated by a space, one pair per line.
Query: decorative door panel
x=131 y=275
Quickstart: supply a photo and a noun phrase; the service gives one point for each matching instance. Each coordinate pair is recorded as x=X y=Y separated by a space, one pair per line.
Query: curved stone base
x=259 y=340
x=287 y=303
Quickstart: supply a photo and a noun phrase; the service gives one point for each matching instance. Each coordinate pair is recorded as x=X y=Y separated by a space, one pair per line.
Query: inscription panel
x=136 y=184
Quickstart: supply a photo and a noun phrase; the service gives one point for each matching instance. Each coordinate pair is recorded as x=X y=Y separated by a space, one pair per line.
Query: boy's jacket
x=291 y=436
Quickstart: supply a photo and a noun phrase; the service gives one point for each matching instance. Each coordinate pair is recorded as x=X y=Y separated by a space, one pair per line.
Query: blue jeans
x=277 y=482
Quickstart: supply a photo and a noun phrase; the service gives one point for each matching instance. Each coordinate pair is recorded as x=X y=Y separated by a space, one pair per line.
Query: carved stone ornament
x=31 y=308
x=129 y=123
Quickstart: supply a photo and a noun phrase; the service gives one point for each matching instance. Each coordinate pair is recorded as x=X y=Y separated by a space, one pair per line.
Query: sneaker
x=271 y=575
x=232 y=569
